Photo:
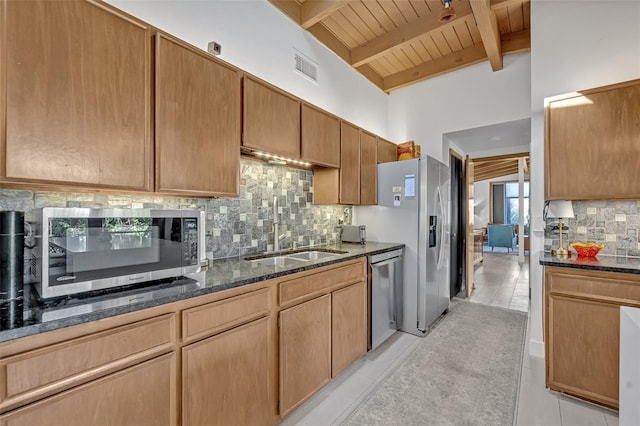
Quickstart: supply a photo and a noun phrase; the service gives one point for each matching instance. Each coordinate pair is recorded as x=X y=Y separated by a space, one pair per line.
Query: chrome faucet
x=276 y=225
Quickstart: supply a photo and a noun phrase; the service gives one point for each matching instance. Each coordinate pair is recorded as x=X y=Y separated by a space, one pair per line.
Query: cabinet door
x=197 y=122
x=583 y=348
x=271 y=120
x=349 y=164
x=592 y=148
x=349 y=329
x=226 y=378
x=387 y=151
x=140 y=395
x=368 y=169
x=305 y=351
x=77 y=96
x=320 y=143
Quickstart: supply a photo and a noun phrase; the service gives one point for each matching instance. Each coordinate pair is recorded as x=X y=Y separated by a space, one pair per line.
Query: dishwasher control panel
x=380 y=257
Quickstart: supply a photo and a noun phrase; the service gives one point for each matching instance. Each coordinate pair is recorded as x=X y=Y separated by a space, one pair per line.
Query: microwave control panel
x=190 y=240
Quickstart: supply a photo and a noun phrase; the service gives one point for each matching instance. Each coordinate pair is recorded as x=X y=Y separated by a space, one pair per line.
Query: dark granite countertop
x=628 y=265
x=39 y=317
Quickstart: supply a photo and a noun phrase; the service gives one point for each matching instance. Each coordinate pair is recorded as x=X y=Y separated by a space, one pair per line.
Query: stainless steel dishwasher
x=385 y=278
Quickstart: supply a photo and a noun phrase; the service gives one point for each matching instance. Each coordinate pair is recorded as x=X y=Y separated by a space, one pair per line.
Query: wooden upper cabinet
x=592 y=144
x=368 y=169
x=271 y=119
x=349 y=164
x=320 y=141
x=387 y=151
x=198 y=121
x=77 y=96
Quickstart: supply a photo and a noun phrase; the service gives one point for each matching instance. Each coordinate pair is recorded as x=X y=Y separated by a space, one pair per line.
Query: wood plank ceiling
x=501 y=165
x=395 y=43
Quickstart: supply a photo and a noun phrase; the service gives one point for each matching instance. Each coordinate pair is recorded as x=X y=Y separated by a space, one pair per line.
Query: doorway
x=457 y=223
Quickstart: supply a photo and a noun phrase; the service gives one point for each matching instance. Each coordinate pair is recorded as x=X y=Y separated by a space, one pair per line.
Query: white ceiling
x=495 y=137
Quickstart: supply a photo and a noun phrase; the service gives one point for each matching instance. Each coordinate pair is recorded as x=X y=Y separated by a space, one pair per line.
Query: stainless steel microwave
x=84 y=249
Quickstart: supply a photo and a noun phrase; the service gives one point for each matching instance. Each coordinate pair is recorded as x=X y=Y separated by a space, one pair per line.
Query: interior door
x=457 y=225
x=468 y=174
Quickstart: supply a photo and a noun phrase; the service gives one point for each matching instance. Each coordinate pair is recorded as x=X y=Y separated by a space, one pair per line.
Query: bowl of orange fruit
x=587 y=249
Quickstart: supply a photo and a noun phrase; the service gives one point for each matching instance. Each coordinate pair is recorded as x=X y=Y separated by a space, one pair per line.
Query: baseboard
x=536 y=348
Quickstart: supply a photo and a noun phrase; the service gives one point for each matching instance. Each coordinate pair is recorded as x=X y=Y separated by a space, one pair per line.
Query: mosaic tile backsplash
x=614 y=223
x=235 y=226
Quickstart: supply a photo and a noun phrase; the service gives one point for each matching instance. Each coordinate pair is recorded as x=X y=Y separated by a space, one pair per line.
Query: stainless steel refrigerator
x=413 y=208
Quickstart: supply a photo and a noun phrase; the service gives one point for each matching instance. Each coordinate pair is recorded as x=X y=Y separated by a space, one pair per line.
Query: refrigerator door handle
x=441 y=255
x=439 y=203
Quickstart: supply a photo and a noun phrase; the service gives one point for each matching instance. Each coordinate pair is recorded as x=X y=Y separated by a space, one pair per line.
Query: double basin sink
x=293 y=259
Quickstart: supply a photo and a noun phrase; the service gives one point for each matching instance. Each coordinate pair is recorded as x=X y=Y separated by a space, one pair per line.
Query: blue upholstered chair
x=501 y=236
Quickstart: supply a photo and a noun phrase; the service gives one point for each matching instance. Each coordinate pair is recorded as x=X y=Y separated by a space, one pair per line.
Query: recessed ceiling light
x=495 y=138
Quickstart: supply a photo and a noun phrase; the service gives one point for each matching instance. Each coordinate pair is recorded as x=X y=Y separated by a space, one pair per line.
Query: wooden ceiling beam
x=444 y=64
x=500 y=157
x=371 y=75
x=513 y=43
x=405 y=34
x=489 y=33
x=327 y=38
x=499 y=4
x=500 y=163
x=511 y=165
x=312 y=12
x=289 y=8
x=517 y=42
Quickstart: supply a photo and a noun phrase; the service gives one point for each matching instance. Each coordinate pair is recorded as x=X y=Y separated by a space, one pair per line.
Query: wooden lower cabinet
x=582 y=331
x=226 y=378
x=305 y=351
x=349 y=326
x=218 y=359
x=144 y=394
x=584 y=339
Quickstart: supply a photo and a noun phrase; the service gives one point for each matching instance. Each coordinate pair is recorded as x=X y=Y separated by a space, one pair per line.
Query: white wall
x=575 y=45
x=259 y=39
x=471 y=97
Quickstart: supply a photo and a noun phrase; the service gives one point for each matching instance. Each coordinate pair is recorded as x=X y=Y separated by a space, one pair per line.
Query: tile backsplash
x=235 y=226
x=614 y=223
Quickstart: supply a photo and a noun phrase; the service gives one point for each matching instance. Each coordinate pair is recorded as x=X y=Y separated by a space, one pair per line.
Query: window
x=505 y=203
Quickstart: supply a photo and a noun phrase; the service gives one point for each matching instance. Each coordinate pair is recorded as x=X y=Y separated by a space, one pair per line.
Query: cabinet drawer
x=144 y=394
x=613 y=287
x=35 y=374
x=222 y=315
x=299 y=288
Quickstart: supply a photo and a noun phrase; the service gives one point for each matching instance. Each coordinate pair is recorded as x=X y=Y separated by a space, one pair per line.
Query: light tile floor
x=500 y=281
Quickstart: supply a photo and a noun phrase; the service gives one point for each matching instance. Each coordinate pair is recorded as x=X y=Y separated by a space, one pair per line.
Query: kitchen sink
x=285 y=261
x=293 y=259
x=311 y=255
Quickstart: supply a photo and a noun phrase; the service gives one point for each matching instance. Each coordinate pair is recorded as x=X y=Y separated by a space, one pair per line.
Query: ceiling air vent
x=306 y=67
